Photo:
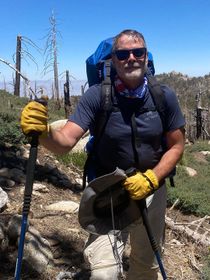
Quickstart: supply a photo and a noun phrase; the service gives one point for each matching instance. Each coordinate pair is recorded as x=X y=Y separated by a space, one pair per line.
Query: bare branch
x=31 y=43
x=27 y=81
x=30 y=56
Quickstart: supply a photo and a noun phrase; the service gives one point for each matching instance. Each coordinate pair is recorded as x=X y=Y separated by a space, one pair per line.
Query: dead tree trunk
x=67 y=103
x=198 y=116
x=18 y=67
x=56 y=80
x=198 y=122
x=55 y=62
x=83 y=88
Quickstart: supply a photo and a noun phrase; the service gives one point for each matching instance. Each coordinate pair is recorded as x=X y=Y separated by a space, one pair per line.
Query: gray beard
x=135 y=74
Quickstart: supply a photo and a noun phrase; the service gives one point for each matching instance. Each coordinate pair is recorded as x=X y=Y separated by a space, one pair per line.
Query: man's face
x=132 y=68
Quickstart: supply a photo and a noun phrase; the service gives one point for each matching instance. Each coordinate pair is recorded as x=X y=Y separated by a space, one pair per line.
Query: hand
x=141 y=185
x=34 y=119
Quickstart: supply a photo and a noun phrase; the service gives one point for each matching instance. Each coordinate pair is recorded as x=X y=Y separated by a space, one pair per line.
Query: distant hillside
x=75 y=86
x=194 y=97
x=187 y=88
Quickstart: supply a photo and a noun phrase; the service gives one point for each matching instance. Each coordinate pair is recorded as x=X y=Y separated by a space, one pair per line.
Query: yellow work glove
x=34 y=118
x=141 y=185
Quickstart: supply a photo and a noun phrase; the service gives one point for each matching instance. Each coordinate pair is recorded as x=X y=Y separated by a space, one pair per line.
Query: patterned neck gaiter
x=139 y=92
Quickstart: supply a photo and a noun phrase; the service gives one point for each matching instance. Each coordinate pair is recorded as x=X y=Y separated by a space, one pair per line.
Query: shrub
x=206 y=268
x=10 y=130
x=77 y=159
x=193 y=192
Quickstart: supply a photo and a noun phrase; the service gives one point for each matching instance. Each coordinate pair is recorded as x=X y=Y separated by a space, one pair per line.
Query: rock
x=64 y=206
x=205 y=153
x=176 y=242
x=40 y=187
x=23 y=152
x=49 y=167
x=65 y=275
x=3 y=181
x=37 y=250
x=2 y=232
x=80 y=146
x=6 y=184
x=4 y=172
x=17 y=175
x=190 y=171
x=14 y=227
x=9 y=184
x=79 y=181
x=3 y=239
x=64 y=183
x=3 y=198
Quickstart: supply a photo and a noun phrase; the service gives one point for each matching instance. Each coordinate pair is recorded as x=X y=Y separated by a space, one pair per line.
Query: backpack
x=99 y=70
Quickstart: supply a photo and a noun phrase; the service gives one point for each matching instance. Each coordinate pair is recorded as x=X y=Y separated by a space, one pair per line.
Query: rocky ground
x=182 y=256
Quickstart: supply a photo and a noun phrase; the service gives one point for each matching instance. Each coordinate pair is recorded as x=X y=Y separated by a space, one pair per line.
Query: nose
x=131 y=56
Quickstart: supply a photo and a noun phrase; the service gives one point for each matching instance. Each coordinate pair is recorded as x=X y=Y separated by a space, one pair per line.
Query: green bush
x=10 y=108
x=10 y=131
x=192 y=192
x=206 y=268
x=77 y=159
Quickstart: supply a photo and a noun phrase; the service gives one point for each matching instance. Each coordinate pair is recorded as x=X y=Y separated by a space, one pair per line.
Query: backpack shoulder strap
x=106 y=107
x=158 y=98
x=106 y=102
x=160 y=103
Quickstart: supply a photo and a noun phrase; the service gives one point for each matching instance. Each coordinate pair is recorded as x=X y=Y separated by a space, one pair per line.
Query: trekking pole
x=27 y=194
x=143 y=209
x=27 y=201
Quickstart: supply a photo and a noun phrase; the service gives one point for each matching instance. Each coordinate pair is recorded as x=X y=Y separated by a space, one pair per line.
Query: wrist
x=45 y=133
x=151 y=176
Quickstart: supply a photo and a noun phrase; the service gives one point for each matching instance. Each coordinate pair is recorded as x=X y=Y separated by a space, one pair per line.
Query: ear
x=146 y=59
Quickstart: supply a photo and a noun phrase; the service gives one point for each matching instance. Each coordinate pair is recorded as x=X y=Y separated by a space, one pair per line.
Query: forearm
x=168 y=161
x=175 y=141
x=63 y=140
x=56 y=142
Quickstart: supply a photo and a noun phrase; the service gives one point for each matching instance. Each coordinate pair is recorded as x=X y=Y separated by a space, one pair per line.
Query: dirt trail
x=182 y=258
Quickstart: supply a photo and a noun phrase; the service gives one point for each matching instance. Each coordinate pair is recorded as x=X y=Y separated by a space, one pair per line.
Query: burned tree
x=67 y=103
x=201 y=118
x=50 y=52
x=22 y=52
x=18 y=67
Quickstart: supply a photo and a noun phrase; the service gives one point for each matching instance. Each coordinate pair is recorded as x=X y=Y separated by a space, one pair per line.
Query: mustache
x=132 y=64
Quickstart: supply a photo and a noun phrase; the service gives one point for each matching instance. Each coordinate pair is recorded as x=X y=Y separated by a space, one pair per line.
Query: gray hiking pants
x=104 y=253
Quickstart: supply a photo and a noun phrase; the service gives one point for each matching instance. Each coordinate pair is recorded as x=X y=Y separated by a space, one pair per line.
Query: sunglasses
x=124 y=54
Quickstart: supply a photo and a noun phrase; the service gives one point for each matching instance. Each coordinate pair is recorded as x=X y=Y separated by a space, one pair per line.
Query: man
x=115 y=149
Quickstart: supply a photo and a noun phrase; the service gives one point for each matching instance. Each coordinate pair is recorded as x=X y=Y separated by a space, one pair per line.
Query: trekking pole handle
x=42 y=100
x=31 y=163
x=130 y=171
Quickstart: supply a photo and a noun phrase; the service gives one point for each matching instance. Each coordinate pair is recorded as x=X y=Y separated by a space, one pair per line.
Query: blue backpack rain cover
x=94 y=63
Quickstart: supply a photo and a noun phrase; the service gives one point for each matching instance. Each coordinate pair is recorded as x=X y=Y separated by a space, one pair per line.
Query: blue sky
x=177 y=31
